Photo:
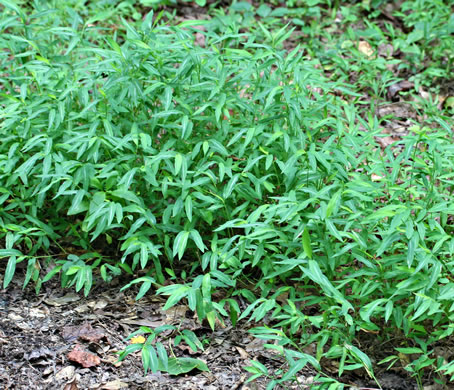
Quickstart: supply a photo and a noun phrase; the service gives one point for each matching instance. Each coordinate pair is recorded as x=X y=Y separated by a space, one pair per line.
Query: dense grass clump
x=203 y=168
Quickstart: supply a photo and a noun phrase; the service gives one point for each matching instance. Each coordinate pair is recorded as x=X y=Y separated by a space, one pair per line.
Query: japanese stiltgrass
x=238 y=162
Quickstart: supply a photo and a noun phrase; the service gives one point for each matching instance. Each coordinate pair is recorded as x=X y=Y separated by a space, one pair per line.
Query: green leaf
x=387 y=211
x=333 y=230
x=409 y=350
x=178 y=366
x=295 y=367
x=9 y=252
x=260 y=367
x=179 y=245
x=188 y=207
x=307 y=243
x=412 y=244
x=146 y=285
x=31 y=271
x=219 y=106
x=52 y=273
x=77 y=205
x=114 y=45
x=362 y=357
x=211 y=318
x=80 y=278
x=190 y=336
x=176 y=296
x=149 y=358
x=162 y=356
x=333 y=203
x=230 y=186
x=388 y=310
x=14 y=7
x=131 y=348
x=10 y=270
x=88 y=280
x=206 y=286
x=197 y=239
x=370 y=308
x=178 y=163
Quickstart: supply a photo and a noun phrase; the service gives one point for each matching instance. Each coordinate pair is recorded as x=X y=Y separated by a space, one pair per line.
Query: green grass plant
x=242 y=167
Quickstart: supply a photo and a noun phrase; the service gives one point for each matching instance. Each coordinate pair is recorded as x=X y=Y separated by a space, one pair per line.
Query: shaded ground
x=39 y=336
x=39 y=333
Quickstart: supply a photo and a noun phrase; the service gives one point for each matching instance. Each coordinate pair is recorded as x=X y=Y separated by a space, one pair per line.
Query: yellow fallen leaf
x=138 y=339
x=365 y=48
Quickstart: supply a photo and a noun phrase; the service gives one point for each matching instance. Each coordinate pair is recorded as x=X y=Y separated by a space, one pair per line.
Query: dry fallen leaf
x=282 y=298
x=38 y=353
x=399 y=110
x=365 y=48
x=199 y=36
x=385 y=50
x=112 y=359
x=375 y=177
x=84 y=358
x=403 y=85
x=176 y=313
x=385 y=141
x=39 y=312
x=83 y=332
x=114 y=385
x=139 y=339
x=71 y=385
x=65 y=373
x=244 y=355
x=100 y=304
x=61 y=301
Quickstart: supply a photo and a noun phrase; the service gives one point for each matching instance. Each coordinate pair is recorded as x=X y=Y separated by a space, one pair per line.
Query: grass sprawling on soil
x=288 y=164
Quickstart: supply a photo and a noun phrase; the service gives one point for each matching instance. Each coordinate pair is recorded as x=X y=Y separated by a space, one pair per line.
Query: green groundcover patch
x=239 y=162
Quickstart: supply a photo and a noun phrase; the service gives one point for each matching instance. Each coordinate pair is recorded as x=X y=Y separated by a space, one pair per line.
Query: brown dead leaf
x=112 y=359
x=424 y=94
x=144 y=322
x=403 y=85
x=255 y=345
x=199 y=36
x=65 y=373
x=85 y=332
x=442 y=99
x=398 y=110
x=282 y=298
x=244 y=355
x=114 y=385
x=38 y=353
x=39 y=312
x=100 y=304
x=20 y=321
x=92 y=335
x=385 y=141
x=176 y=313
x=385 y=50
x=82 y=308
x=186 y=348
x=84 y=358
x=61 y=301
x=71 y=385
